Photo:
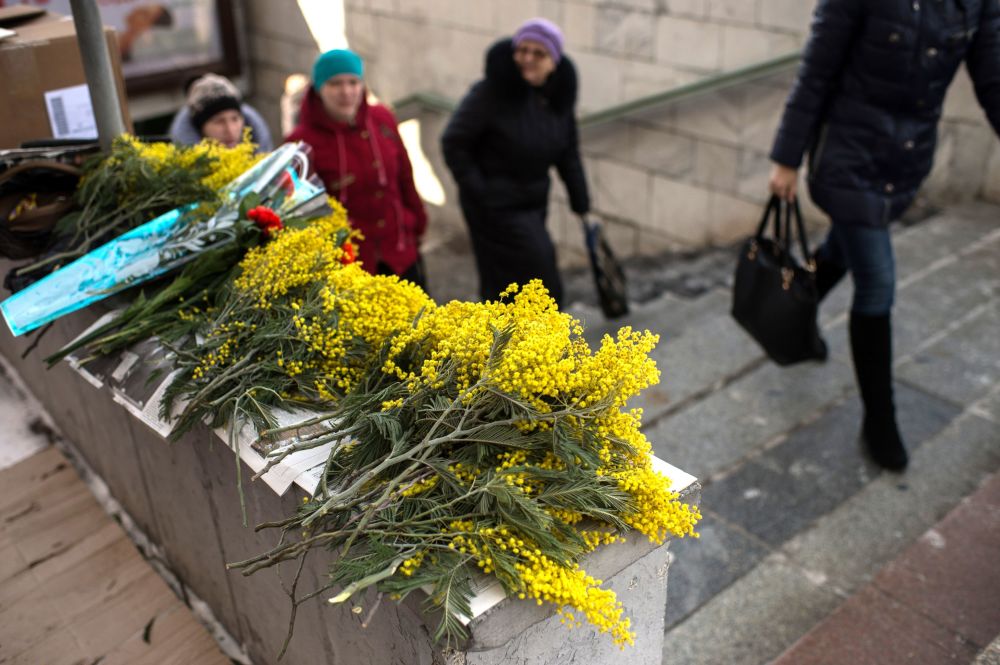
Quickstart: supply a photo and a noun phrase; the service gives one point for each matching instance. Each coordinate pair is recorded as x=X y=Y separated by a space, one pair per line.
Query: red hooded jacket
x=365 y=166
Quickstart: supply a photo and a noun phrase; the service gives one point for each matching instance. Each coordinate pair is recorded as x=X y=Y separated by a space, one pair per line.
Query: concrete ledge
x=183 y=496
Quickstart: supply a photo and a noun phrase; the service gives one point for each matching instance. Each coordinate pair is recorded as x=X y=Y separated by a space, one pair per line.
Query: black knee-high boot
x=871 y=348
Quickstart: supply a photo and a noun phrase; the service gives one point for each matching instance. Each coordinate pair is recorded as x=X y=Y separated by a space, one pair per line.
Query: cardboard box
x=42 y=57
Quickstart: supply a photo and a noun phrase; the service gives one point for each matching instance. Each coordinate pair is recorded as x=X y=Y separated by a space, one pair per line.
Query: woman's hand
x=784 y=181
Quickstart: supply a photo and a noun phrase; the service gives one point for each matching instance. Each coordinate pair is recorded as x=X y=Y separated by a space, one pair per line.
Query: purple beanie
x=544 y=32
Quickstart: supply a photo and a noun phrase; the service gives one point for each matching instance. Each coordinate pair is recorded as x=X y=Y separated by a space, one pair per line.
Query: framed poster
x=163 y=44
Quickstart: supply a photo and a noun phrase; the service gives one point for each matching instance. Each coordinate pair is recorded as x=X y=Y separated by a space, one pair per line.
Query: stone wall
x=683 y=174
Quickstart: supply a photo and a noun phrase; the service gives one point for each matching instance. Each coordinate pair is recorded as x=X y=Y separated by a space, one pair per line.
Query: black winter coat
x=500 y=144
x=869 y=93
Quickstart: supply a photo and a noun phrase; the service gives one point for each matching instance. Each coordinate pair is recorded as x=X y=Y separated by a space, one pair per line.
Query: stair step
x=937 y=602
x=764 y=612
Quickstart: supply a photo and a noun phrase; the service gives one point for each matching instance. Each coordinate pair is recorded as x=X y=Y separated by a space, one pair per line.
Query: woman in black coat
x=866 y=107
x=508 y=131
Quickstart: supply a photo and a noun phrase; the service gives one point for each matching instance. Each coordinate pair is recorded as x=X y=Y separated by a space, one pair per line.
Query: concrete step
x=793 y=587
x=795 y=518
x=939 y=601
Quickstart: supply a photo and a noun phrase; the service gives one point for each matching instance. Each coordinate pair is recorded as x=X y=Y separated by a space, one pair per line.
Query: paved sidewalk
x=938 y=602
x=73 y=587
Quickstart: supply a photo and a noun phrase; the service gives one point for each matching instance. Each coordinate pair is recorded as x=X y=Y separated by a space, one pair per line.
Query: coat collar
x=314 y=114
x=504 y=76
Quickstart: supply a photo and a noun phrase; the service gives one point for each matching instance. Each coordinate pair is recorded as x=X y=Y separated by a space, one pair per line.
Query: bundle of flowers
x=137 y=181
x=464 y=440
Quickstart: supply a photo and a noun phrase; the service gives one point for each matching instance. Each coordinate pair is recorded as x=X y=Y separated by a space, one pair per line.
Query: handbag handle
x=793 y=209
x=773 y=206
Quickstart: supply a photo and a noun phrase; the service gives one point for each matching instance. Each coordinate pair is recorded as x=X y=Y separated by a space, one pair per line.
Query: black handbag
x=774 y=296
x=608 y=274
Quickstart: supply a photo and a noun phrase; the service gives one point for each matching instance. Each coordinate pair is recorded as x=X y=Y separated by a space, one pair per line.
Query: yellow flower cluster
x=410 y=565
x=295 y=258
x=658 y=513
x=549 y=581
x=356 y=307
x=225 y=164
x=546 y=358
x=465 y=474
x=420 y=487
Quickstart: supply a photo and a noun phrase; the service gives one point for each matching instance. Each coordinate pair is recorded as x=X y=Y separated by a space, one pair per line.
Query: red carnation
x=348 y=256
x=266 y=219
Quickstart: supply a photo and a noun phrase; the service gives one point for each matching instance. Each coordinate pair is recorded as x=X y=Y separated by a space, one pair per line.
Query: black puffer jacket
x=869 y=95
x=500 y=145
x=506 y=135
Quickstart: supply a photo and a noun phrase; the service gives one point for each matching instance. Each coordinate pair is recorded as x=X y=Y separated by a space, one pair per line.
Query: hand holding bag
x=608 y=274
x=775 y=297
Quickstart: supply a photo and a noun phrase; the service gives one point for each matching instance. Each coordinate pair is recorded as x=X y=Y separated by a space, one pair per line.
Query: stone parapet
x=183 y=496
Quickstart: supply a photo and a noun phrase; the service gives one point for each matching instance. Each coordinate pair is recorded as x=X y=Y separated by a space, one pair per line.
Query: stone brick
x=960 y=162
x=624 y=32
x=681 y=211
x=752 y=173
x=580 y=26
x=666 y=153
x=508 y=15
x=793 y=15
x=608 y=139
x=732 y=218
x=762 y=106
x=744 y=46
x=553 y=10
x=716 y=165
x=600 y=86
x=741 y=11
x=622 y=191
x=693 y=8
x=688 y=42
x=362 y=32
x=458 y=13
x=281 y=53
x=714 y=116
x=281 y=18
x=642 y=79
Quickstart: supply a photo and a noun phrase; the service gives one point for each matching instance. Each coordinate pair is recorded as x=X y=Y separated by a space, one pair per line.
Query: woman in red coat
x=358 y=153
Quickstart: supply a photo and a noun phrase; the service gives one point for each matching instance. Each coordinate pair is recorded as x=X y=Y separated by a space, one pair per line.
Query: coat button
x=916 y=6
x=379 y=194
x=921 y=103
x=909 y=145
x=894 y=38
x=932 y=52
x=364 y=133
x=889 y=188
x=375 y=164
x=380 y=223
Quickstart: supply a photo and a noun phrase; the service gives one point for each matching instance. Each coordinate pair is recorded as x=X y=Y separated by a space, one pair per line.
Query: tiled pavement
x=938 y=602
x=73 y=587
x=797 y=521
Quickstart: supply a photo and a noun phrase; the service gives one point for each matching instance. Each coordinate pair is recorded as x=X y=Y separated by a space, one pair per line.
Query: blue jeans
x=865 y=251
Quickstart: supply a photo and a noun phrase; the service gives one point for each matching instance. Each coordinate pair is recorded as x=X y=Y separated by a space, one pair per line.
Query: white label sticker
x=71 y=115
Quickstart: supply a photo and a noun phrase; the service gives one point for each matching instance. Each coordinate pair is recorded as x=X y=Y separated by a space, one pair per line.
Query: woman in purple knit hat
x=508 y=131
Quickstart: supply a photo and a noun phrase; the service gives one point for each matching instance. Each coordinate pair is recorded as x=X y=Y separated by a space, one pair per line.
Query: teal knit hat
x=337 y=61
